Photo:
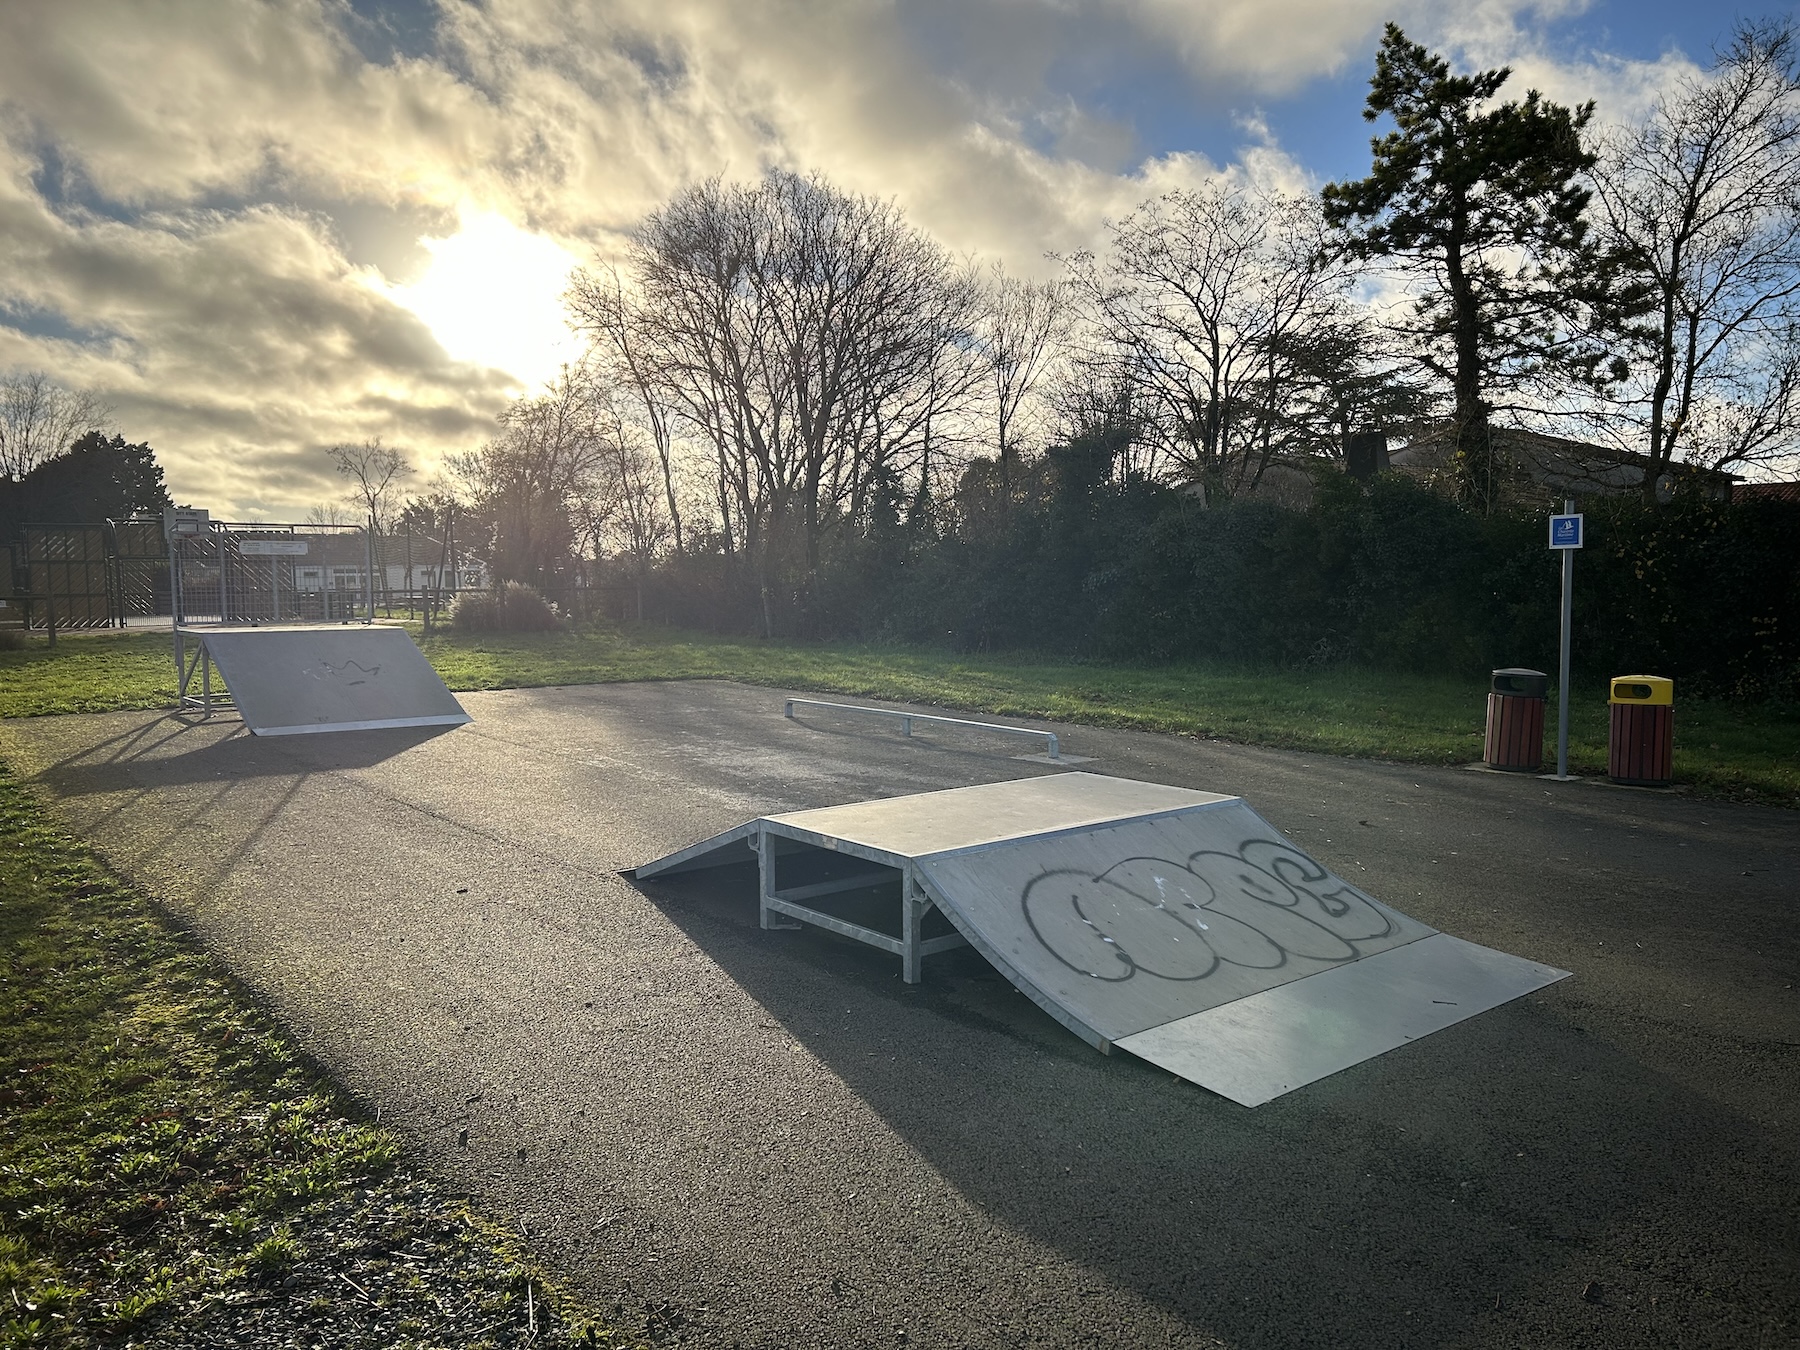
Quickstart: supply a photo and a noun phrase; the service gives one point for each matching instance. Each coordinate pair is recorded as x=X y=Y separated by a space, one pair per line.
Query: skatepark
x=764 y=1136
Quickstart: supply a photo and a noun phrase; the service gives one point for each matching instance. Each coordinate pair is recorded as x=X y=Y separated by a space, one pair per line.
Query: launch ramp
x=1174 y=924
x=289 y=680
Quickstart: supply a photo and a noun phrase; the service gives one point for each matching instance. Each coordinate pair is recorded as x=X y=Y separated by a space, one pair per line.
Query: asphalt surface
x=766 y=1139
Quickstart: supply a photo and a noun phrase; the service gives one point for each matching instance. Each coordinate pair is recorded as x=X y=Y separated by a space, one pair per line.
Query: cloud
x=220 y=212
x=163 y=102
x=222 y=337
x=1266 y=46
x=1493 y=33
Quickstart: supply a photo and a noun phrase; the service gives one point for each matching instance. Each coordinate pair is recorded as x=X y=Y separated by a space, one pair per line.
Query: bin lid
x=1521 y=683
x=1642 y=689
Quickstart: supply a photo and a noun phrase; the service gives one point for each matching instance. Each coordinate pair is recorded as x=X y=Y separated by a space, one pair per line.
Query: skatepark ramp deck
x=1177 y=925
x=292 y=679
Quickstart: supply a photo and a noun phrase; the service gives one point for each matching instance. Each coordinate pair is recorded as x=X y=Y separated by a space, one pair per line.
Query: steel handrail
x=1051 y=748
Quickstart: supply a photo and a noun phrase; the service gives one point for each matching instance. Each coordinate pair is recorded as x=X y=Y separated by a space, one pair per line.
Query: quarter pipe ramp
x=290 y=680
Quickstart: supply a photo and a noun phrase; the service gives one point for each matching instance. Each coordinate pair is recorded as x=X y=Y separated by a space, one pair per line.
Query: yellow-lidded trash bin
x=1641 y=751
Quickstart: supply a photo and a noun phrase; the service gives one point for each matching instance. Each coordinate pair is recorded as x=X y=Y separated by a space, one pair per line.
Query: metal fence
x=128 y=572
x=84 y=575
x=260 y=573
x=106 y=575
x=274 y=573
x=140 y=567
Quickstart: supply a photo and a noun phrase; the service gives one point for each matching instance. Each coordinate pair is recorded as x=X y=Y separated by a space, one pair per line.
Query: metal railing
x=1051 y=749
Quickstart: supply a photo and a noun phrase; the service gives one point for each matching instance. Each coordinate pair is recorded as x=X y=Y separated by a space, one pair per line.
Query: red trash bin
x=1641 y=749
x=1515 y=720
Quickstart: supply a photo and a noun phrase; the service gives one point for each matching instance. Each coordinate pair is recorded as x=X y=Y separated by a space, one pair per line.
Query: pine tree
x=1484 y=202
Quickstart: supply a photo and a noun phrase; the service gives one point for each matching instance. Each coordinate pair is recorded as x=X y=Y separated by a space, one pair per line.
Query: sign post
x=1566 y=536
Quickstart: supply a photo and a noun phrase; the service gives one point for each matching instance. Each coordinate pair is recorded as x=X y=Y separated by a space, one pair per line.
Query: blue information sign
x=1565 y=531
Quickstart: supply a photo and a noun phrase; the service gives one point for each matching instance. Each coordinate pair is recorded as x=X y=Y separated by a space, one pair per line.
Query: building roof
x=1556 y=464
x=1766 y=492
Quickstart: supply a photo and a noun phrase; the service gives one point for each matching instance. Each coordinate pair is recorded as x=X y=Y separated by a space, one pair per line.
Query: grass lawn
x=1738 y=750
x=170 y=1169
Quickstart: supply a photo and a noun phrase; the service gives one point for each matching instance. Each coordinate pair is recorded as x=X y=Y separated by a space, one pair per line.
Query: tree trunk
x=1474 y=457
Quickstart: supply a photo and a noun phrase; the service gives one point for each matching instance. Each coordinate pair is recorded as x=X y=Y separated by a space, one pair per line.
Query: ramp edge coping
x=380 y=724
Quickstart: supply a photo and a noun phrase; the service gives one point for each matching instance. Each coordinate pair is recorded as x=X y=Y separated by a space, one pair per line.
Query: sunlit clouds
x=492 y=295
x=259 y=227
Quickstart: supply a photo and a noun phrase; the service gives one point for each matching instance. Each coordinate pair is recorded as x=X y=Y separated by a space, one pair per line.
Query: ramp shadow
x=174 y=750
x=220 y=780
x=1467 y=1187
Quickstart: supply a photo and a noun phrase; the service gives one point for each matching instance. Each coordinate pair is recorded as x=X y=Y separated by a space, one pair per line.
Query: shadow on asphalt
x=219 y=764
x=218 y=751
x=1470 y=1182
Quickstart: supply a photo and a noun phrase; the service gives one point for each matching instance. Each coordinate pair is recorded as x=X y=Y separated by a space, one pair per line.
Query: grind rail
x=1052 y=750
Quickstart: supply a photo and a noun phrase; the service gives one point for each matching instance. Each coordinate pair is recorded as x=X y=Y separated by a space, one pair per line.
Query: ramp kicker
x=288 y=680
x=1177 y=925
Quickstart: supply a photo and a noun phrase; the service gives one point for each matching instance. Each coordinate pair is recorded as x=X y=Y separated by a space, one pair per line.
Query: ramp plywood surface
x=293 y=680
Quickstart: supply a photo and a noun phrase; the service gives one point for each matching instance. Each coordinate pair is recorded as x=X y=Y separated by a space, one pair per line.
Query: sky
x=258 y=228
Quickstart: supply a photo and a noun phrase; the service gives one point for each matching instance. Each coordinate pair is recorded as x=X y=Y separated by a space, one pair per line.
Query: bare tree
x=796 y=330
x=1022 y=324
x=601 y=308
x=374 y=471
x=525 y=488
x=40 y=418
x=1208 y=307
x=910 y=425
x=1702 y=201
x=625 y=512
x=327 y=513
x=694 y=322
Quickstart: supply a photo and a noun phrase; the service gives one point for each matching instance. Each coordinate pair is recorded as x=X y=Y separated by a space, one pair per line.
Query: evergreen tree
x=97 y=478
x=1485 y=202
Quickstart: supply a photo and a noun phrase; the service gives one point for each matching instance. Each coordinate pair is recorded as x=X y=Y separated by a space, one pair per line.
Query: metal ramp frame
x=1175 y=924
x=761 y=840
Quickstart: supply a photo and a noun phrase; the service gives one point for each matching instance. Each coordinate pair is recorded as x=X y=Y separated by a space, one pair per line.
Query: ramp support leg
x=764 y=843
x=912 y=918
x=186 y=668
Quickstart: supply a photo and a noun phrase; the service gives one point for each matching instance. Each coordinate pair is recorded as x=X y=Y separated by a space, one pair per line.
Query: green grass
x=87 y=672
x=1721 y=749
x=167 y=1161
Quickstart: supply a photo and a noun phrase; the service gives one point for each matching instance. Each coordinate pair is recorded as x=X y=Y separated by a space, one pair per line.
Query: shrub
x=1387 y=574
x=511 y=607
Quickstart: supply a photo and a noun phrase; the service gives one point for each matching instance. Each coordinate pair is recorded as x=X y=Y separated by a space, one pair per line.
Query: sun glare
x=492 y=294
